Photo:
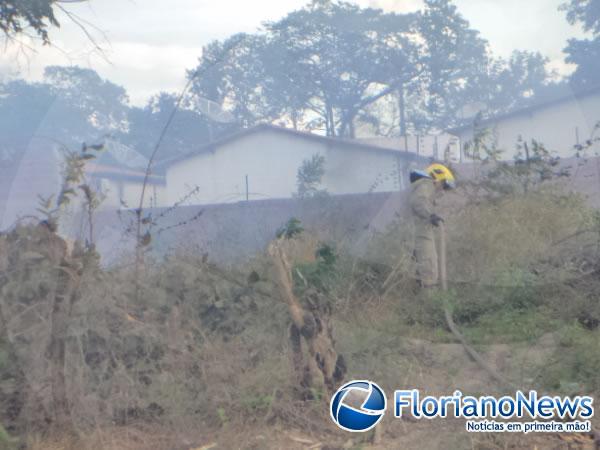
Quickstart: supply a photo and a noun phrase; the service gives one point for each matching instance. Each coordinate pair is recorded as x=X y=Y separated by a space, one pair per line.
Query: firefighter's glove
x=436 y=220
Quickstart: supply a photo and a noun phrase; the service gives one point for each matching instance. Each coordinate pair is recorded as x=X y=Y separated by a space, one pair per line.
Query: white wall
x=36 y=175
x=556 y=126
x=271 y=160
x=155 y=195
x=117 y=191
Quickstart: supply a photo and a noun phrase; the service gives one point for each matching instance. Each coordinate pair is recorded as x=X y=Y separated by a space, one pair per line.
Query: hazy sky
x=151 y=43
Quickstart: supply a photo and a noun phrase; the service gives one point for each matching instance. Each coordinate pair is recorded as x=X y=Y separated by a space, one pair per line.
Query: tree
x=512 y=83
x=23 y=107
x=587 y=12
x=317 y=68
x=100 y=103
x=232 y=72
x=455 y=59
x=585 y=53
x=18 y=15
x=309 y=177
x=459 y=69
x=347 y=58
x=333 y=66
x=187 y=131
x=72 y=105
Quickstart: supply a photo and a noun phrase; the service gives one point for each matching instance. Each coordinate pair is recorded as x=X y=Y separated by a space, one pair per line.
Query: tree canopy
x=72 y=105
x=330 y=67
x=333 y=66
x=585 y=53
x=188 y=130
x=16 y=16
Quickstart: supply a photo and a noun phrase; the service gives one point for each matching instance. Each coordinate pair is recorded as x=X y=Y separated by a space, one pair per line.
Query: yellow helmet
x=441 y=173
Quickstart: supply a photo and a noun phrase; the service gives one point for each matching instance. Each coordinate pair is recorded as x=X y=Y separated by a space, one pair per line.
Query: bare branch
x=83 y=25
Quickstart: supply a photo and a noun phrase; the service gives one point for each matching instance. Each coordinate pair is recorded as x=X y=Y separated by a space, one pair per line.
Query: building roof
x=556 y=96
x=122 y=174
x=213 y=146
x=118 y=154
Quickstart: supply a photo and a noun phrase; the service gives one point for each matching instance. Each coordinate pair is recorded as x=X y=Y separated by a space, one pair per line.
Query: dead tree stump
x=319 y=367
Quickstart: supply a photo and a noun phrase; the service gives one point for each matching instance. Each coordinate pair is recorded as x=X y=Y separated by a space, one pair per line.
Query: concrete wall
x=558 y=126
x=234 y=232
x=271 y=160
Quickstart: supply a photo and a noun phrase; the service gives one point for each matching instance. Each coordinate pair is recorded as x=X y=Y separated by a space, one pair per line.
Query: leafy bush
x=6 y=441
x=320 y=274
x=309 y=177
x=575 y=366
x=511 y=326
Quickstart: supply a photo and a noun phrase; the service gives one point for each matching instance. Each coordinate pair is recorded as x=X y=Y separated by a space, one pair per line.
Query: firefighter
x=425 y=187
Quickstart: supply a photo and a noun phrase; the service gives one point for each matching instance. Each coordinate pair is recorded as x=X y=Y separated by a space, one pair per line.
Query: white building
x=122 y=187
x=441 y=147
x=262 y=163
x=37 y=174
x=118 y=174
x=559 y=124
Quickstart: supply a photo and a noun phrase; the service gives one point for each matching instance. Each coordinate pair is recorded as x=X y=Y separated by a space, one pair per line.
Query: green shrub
x=575 y=366
x=511 y=326
x=426 y=309
x=320 y=274
x=6 y=441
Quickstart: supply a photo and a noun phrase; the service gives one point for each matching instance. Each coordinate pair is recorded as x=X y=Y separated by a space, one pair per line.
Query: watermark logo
x=358 y=406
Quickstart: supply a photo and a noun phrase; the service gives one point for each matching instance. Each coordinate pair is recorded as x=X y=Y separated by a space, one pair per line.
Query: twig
x=148 y=171
x=82 y=24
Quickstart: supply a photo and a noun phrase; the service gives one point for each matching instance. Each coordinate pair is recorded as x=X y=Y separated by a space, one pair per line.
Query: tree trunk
x=402 y=110
x=347 y=126
x=323 y=368
x=330 y=121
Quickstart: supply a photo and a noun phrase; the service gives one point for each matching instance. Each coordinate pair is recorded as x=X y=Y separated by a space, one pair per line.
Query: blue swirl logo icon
x=358 y=406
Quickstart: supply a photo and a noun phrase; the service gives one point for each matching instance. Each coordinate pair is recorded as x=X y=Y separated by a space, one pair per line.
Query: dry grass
x=487 y=239
x=203 y=353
